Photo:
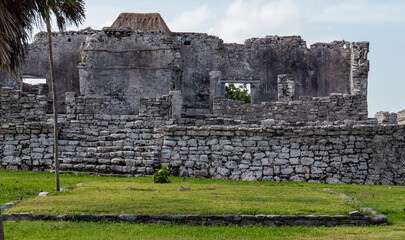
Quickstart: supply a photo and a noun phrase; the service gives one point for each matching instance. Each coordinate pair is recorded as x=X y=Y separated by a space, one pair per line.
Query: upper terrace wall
x=336 y=107
x=131 y=64
x=66 y=52
x=318 y=71
x=66 y=58
x=158 y=108
x=128 y=66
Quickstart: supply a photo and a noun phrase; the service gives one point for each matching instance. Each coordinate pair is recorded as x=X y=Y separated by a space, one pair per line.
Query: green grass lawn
x=88 y=230
x=201 y=199
x=139 y=195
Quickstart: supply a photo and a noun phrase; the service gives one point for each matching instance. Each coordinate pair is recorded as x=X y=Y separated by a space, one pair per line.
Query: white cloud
x=190 y=20
x=107 y=23
x=245 y=19
x=257 y=18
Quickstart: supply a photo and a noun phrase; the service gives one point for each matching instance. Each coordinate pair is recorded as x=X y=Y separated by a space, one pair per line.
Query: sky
x=381 y=22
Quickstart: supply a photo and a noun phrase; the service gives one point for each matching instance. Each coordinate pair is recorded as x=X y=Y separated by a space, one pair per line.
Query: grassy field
x=88 y=230
x=15 y=185
x=205 y=197
x=201 y=199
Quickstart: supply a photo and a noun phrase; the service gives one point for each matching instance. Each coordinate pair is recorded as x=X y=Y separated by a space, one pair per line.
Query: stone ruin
x=135 y=95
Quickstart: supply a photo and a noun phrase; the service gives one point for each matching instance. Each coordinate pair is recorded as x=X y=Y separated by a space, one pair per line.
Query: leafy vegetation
x=161 y=175
x=17 y=19
x=240 y=93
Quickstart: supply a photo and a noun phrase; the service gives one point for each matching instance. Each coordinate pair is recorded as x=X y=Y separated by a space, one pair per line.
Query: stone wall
x=401 y=117
x=110 y=144
x=128 y=66
x=7 y=80
x=17 y=106
x=66 y=50
x=134 y=64
x=26 y=139
x=355 y=218
x=26 y=146
x=320 y=70
x=157 y=108
x=105 y=144
x=335 y=154
x=110 y=105
x=127 y=145
x=134 y=145
x=386 y=117
x=76 y=105
x=336 y=107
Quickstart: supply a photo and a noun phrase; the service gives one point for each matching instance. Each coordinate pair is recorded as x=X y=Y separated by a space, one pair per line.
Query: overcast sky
x=381 y=22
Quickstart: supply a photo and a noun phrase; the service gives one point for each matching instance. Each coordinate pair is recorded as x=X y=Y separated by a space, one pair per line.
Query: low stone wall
x=135 y=146
x=26 y=146
x=353 y=219
x=156 y=107
x=26 y=139
x=104 y=144
x=111 y=144
x=335 y=154
x=86 y=105
x=336 y=107
x=386 y=117
x=17 y=106
x=109 y=105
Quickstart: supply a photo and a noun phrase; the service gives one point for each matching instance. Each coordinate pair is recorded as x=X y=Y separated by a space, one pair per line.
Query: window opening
x=238 y=91
x=33 y=80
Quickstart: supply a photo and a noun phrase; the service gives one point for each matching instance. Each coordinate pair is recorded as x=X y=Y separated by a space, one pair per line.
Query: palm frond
x=15 y=29
x=71 y=11
x=17 y=17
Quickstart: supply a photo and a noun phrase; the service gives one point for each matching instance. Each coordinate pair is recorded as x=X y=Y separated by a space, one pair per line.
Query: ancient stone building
x=139 y=57
x=134 y=95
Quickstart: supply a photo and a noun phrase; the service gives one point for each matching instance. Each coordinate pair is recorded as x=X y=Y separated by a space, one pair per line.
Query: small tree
x=240 y=93
x=161 y=175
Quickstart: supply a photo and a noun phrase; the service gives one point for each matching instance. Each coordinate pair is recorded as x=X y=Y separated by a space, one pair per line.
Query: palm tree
x=73 y=12
x=16 y=21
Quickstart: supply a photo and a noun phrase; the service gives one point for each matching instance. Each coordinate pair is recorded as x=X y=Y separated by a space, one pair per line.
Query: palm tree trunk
x=1 y=228
x=55 y=114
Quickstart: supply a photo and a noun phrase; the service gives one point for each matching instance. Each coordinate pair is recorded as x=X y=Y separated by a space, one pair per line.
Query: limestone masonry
x=135 y=95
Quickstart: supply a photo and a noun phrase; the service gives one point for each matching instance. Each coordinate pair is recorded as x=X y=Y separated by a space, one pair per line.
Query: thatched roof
x=141 y=22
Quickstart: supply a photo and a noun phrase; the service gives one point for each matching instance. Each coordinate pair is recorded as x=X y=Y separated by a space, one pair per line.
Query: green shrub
x=240 y=93
x=161 y=175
